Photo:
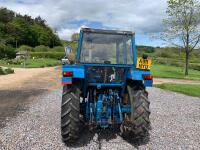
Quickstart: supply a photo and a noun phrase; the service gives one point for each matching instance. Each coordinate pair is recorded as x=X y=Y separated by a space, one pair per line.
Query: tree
x=75 y=36
x=20 y=30
x=182 y=27
x=6 y=15
x=17 y=30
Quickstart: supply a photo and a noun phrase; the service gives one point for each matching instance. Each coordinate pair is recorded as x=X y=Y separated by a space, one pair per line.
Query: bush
x=9 y=70
x=57 y=49
x=5 y=70
x=145 y=49
x=41 y=48
x=160 y=60
x=195 y=66
x=165 y=54
x=26 y=48
x=1 y=71
x=54 y=55
x=16 y=61
x=150 y=50
x=7 y=52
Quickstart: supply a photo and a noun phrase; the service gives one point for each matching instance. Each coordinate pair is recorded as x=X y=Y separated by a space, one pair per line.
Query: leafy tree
x=74 y=36
x=6 y=52
x=6 y=15
x=17 y=30
x=182 y=27
x=40 y=21
x=20 y=30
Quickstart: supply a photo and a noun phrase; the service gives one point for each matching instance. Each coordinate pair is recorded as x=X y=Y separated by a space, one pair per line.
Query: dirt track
x=31 y=78
x=178 y=81
x=19 y=90
x=50 y=78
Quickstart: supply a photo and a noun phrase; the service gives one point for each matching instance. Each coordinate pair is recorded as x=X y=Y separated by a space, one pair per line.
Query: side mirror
x=68 y=50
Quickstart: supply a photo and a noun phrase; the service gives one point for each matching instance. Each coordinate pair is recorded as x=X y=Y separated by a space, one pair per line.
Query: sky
x=144 y=17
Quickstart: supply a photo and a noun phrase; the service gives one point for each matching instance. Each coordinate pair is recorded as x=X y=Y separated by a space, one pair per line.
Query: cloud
x=142 y=16
x=65 y=33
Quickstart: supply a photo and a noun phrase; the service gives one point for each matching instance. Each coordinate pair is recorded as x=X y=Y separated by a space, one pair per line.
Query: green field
x=188 y=89
x=166 y=71
x=33 y=63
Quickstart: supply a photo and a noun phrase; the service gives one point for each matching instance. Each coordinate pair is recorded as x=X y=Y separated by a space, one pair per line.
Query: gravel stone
x=175 y=123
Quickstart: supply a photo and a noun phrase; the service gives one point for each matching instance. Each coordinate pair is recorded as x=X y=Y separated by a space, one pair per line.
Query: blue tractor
x=105 y=85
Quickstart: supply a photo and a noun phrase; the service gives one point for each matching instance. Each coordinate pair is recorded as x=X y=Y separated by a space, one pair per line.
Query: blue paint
x=66 y=79
x=134 y=51
x=80 y=41
x=78 y=70
x=105 y=107
x=148 y=83
x=99 y=85
x=125 y=108
x=136 y=74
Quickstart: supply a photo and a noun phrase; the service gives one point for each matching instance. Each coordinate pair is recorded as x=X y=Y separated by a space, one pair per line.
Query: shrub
x=9 y=70
x=57 y=49
x=160 y=60
x=41 y=48
x=5 y=70
x=16 y=61
x=54 y=55
x=195 y=66
x=165 y=54
x=1 y=71
x=145 y=49
x=7 y=52
x=26 y=48
x=150 y=50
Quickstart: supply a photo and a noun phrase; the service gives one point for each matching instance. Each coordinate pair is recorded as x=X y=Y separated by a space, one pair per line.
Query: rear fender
x=78 y=72
x=136 y=74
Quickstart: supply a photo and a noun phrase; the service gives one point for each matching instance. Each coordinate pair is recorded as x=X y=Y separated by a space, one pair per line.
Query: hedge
x=54 y=55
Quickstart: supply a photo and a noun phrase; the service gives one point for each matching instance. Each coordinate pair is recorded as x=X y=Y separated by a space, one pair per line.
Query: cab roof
x=105 y=31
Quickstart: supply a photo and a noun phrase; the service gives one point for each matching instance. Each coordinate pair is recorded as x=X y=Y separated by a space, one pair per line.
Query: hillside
x=17 y=30
x=170 y=56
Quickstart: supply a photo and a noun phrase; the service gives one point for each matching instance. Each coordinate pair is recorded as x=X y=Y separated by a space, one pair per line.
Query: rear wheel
x=70 y=111
x=137 y=122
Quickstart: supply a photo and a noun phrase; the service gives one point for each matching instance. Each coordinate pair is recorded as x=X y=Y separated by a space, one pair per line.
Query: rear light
x=67 y=74
x=147 y=77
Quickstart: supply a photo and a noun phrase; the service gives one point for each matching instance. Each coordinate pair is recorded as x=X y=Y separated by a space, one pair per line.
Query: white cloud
x=142 y=16
x=65 y=33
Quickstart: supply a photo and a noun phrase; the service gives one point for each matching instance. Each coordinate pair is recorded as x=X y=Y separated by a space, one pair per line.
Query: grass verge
x=33 y=63
x=188 y=89
x=165 y=71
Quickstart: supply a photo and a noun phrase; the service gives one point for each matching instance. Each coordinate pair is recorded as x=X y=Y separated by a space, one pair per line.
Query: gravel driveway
x=175 y=125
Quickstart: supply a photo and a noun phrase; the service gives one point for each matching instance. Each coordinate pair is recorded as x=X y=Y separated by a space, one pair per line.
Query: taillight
x=147 y=77
x=67 y=74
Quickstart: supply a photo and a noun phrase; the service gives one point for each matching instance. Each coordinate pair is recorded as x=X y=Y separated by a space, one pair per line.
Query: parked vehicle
x=105 y=85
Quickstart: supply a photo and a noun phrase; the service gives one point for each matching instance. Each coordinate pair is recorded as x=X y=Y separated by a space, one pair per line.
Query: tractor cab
x=105 y=47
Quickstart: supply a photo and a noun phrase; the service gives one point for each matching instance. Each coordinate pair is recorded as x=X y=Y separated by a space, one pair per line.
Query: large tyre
x=138 y=122
x=70 y=111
